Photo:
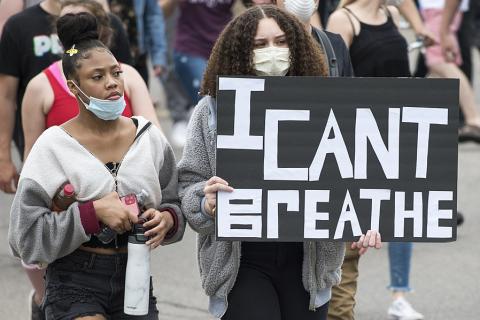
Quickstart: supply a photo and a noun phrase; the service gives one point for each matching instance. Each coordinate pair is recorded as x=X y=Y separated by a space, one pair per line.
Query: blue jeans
x=189 y=70
x=399 y=254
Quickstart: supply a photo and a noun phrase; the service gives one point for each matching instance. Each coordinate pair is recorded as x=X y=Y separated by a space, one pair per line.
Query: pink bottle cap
x=68 y=190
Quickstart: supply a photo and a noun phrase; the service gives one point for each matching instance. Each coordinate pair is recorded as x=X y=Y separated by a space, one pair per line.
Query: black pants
x=269 y=285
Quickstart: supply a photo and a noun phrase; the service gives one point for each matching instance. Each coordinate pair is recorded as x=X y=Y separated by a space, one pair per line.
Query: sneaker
x=179 y=134
x=400 y=309
x=35 y=312
x=469 y=133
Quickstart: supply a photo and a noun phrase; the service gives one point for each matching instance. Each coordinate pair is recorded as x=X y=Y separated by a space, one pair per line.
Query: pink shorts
x=433 y=20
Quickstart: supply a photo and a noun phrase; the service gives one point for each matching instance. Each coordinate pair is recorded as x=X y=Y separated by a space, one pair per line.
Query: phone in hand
x=131 y=203
x=106 y=235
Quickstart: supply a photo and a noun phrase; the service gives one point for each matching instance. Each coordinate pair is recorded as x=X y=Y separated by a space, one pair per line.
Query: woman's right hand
x=213 y=185
x=429 y=38
x=111 y=212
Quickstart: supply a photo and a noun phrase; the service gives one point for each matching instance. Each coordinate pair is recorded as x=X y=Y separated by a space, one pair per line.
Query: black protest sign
x=330 y=158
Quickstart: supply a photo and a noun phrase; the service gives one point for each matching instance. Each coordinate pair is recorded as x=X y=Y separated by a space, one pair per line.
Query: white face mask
x=271 y=61
x=302 y=9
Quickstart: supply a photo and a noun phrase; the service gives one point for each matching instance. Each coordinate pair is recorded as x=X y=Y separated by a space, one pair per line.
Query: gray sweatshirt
x=39 y=236
x=219 y=261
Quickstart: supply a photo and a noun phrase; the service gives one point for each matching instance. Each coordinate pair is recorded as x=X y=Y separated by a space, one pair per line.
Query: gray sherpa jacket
x=39 y=236
x=219 y=261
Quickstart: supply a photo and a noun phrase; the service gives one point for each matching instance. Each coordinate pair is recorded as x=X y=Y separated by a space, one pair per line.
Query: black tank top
x=378 y=50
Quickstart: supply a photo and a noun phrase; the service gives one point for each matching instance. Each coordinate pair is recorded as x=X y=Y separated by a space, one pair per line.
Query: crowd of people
x=74 y=100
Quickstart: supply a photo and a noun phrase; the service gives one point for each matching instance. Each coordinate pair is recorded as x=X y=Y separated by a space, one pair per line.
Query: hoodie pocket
x=216 y=263
x=329 y=261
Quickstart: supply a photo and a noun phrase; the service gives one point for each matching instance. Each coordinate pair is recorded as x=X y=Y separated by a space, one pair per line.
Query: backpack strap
x=328 y=49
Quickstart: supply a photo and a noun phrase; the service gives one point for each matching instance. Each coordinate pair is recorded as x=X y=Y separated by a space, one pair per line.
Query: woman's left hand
x=158 y=224
x=370 y=240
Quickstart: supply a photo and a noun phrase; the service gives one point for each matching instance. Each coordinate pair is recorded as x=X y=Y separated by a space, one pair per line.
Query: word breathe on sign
x=287 y=152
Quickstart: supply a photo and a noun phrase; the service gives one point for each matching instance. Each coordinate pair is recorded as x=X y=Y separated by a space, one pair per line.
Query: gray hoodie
x=40 y=236
x=219 y=261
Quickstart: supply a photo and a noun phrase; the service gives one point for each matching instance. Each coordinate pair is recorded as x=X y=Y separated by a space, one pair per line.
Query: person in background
x=449 y=67
x=199 y=24
x=449 y=47
x=27 y=46
x=467 y=35
x=305 y=10
x=325 y=9
x=409 y=11
x=377 y=49
x=343 y=295
x=144 y=21
x=447 y=38
x=176 y=98
x=9 y=8
x=406 y=7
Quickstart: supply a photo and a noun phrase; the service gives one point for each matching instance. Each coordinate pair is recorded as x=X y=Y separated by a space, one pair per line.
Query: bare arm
x=8 y=107
x=410 y=12
x=339 y=23
x=7 y=9
x=34 y=110
x=408 y=9
x=168 y=7
x=139 y=95
x=451 y=7
x=446 y=37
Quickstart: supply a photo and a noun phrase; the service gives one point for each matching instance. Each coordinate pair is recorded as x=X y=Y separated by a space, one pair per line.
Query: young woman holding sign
x=255 y=280
x=378 y=49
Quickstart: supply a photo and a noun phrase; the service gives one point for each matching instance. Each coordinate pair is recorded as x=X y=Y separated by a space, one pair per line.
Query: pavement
x=444 y=276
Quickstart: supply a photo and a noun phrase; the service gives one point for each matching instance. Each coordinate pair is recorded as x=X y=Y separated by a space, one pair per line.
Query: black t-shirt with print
x=28 y=45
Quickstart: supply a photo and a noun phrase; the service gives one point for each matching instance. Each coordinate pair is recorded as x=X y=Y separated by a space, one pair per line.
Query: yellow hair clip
x=72 y=51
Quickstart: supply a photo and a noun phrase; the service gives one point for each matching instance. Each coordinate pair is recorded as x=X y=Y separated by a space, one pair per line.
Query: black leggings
x=269 y=285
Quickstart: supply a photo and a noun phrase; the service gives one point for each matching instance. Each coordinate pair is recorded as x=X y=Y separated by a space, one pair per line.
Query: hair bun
x=76 y=28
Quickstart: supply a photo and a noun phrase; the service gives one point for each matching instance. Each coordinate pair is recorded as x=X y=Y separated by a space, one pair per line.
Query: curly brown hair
x=233 y=51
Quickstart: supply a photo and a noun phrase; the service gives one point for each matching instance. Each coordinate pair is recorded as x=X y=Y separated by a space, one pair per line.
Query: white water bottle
x=137 y=278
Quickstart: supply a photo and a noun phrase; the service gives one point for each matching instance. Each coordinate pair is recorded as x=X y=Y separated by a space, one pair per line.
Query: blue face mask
x=104 y=109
